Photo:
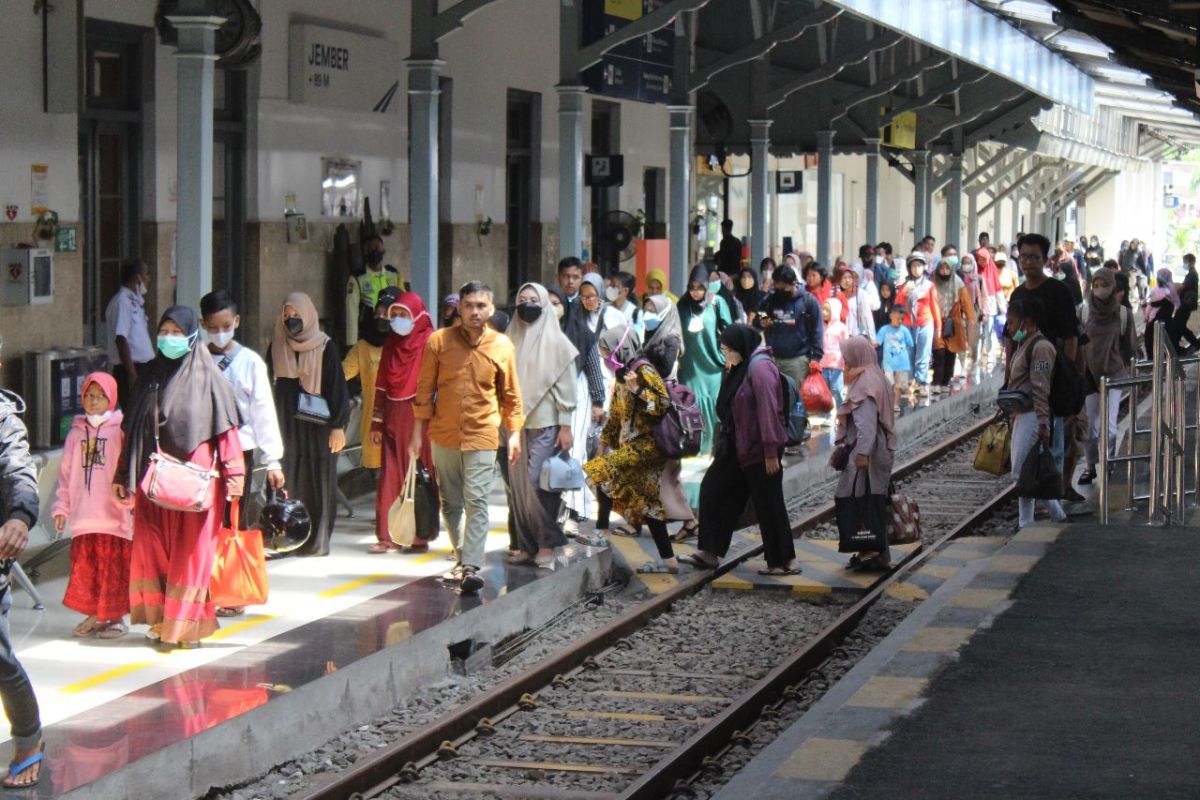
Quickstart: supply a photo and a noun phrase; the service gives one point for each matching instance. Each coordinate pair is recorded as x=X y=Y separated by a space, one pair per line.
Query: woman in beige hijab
x=547 y=372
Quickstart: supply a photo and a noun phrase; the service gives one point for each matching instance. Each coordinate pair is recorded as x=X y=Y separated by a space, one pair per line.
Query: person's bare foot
x=86 y=628
x=23 y=778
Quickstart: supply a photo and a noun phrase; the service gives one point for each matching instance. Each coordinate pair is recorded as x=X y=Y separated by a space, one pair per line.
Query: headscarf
x=499 y=321
x=623 y=343
x=299 y=356
x=400 y=364
x=597 y=283
x=726 y=292
x=835 y=312
x=750 y=298
x=661 y=277
x=743 y=340
x=449 y=301
x=543 y=350
x=947 y=290
x=871 y=383
x=106 y=383
x=669 y=325
x=1167 y=281
x=574 y=325
x=970 y=277
x=374 y=336
x=687 y=303
x=1103 y=311
x=195 y=402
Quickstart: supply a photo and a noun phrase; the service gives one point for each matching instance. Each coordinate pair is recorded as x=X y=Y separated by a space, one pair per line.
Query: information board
x=339 y=69
x=638 y=70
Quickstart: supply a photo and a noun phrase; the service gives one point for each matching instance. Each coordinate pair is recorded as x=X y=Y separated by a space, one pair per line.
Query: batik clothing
x=99 y=582
x=702 y=364
x=362 y=362
x=173 y=551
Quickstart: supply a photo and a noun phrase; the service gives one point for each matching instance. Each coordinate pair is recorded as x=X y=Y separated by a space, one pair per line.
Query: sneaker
x=1088 y=476
x=471 y=581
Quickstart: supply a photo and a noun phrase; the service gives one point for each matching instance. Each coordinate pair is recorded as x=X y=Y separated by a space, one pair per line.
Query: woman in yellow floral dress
x=633 y=476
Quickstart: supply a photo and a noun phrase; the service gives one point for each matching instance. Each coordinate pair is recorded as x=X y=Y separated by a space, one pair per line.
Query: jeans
x=1093 y=413
x=1024 y=437
x=16 y=692
x=833 y=379
x=796 y=369
x=465 y=481
x=922 y=352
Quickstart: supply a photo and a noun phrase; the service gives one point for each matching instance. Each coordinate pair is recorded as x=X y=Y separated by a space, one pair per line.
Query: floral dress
x=632 y=471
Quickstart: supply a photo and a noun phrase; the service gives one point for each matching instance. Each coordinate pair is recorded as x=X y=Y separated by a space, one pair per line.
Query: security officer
x=364 y=287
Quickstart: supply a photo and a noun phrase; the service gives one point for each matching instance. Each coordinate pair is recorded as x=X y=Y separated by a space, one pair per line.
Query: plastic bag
x=1040 y=478
x=815 y=394
x=240 y=568
x=426 y=508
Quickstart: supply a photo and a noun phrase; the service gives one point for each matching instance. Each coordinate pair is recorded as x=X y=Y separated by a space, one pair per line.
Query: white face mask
x=402 y=326
x=96 y=420
x=559 y=311
x=222 y=338
x=611 y=293
x=141 y=289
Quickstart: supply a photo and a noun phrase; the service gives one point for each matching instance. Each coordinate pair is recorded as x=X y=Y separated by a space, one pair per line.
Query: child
x=831 y=360
x=897 y=344
x=101 y=525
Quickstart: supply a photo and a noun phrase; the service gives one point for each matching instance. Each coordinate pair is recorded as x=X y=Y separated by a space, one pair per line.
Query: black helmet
x=285 y=524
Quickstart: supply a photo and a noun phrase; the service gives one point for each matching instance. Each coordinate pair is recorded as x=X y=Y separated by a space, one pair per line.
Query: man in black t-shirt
x=1061 y=323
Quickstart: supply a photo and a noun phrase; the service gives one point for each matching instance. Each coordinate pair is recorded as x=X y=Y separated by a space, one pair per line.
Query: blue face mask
x=1020 y=335
x=651 y=321
x=952 y=261
x=174 y=346
x=714 y=286
x=402 y=326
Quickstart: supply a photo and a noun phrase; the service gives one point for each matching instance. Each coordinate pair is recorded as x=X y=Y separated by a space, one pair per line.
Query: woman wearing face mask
x=1111 y=344
x=184 y=407
x=409 y=327
x=590 y=388
x=703 y=315
x=1161 y=305
x=865 y=437
x=921 y=315
x=721 y=285
x=746 y=459
x=664 y=335
x=748 y=294
x=304 y=361
x=1031 y=369
x=547 y=375
x=958 y=315
x=634 y=477
x=858 y=317
x=599 y=316
x=973 y=283
x=362 y=362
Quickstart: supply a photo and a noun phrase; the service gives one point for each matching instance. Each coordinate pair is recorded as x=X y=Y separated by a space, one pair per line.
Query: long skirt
x=580 y=500
x=535 y=512
x=99 y=582
x=397 y=433
x=170 y=568
x=311 y=472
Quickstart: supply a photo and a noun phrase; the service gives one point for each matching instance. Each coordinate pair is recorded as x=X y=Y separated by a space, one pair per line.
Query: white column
x=193 y=238
x=921 y=221
x=424 y=96
x=760 y=144
x=954 y=193
x=570 y=170
x=973 y=218
x=825 y=198
x=872 y=199
x=1016 y=216
x=679 y=230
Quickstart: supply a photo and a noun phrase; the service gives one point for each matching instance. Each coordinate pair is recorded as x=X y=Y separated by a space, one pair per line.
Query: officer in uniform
x=366 y=284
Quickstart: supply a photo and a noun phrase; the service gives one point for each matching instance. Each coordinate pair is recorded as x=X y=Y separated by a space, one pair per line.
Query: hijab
x=750 y=298
x=106 y=383
x=543 y=350
x=371 y=332
x=871 y=384
x=622 y=342
x=1166 y=281
x=1103 y=311
x=593 y=318
x=661 y=277
x=970 y=277
x=575 y=325
x=669 y=326
x=726 y=292
x=687 y=302
x=948 y=288
x=299 y=356
x=400 y=364
x=195 y=402
x=743 y=340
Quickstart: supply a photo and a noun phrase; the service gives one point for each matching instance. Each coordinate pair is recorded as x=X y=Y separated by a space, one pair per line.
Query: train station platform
x=1061 y=666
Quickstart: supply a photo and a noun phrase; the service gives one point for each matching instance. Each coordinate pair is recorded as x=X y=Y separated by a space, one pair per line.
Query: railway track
x=628 y=713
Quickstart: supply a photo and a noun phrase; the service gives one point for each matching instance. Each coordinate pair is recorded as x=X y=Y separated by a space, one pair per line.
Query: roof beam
x=658 y=18
x=1016 y=184
x=1139 y=37
x=932 y=96
x=960 y=121
x=450 y=20
x=885 y=85
x=833 y=68
x=786 y=32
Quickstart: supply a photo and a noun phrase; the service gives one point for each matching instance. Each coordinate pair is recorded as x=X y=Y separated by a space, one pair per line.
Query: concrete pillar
x=1016 y=216
x=872 y=199
x=680 y=228
x=760 y=190
x=973 y=217
x=193 y=238
x=954 y=193
x=570 y=170
x=825 y=198
x=921 y=221
x=996 y=222
x=424 y=95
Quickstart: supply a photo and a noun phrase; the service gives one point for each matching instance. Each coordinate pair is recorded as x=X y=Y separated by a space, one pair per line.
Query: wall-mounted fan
x=618 y=232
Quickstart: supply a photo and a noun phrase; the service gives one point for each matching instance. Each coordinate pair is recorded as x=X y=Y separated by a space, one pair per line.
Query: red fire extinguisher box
x=652 y=254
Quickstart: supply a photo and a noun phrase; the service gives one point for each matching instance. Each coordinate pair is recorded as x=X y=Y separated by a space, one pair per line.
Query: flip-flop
x=595 y=539
x=685 y=533
x=626 y=531
x=655 y=568
x=112 y=630
x=779 y=572
x=522 y=560
x=697 y=561
x=231 y=611
x=382 y=547
x=86 y=633
x=15 y=769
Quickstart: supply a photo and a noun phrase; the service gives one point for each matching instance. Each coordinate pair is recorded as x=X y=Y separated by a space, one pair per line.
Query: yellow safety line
x=238 y=627
x=103 y=677
x=352 y=585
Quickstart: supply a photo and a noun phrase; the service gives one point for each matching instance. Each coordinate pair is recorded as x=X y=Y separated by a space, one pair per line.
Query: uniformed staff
x=129 y=346
x=366 y=284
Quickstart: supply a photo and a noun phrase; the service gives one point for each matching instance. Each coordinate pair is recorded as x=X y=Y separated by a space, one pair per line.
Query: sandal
x=523 y=560
x=656 y=568
x=382 y=547
x=415 y=547
x=594 y=539
x=15 y=770
x=686 y=532
x=627 y=531
x=230 y=611
x=154 y=634
x=873 y=564
x=699 y=561
x=112 y=630
x=87 y=628
x=776 y=572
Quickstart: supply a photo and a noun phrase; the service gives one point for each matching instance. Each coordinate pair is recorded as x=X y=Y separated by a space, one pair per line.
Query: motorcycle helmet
x=285 y=524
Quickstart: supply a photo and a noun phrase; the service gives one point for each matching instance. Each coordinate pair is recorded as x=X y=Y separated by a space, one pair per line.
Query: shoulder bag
x=312 y=408
x=178 y=485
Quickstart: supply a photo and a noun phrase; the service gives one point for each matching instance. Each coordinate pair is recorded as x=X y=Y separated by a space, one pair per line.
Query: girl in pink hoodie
x=101 y=525
x=831 y=362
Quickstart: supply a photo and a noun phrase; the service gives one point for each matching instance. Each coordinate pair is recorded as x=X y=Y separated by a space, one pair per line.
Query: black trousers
x=658 y=528
x=943 y=366
x=1178 y=328
x=726 y=488
x=124 y=388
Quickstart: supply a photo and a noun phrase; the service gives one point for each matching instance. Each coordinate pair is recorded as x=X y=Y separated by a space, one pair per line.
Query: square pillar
x=954 y=193
x=921 y=219
x=1016 y=216
x=973 y=218
x=825 y=198
x=873 y=159
x=424 y=94
x=760 y=190
x=679 y=228
x=570 y=170
x=196 y=62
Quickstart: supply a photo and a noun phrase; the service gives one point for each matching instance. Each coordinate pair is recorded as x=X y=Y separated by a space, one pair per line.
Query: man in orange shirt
x=466 y=391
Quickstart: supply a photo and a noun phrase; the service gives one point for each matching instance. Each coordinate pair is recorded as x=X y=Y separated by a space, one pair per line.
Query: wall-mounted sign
x=65 y=240
x=789 y=182
x=39 y=189
x=604 y=171
x=338 y=69
x=902 y=132
x=637 y=70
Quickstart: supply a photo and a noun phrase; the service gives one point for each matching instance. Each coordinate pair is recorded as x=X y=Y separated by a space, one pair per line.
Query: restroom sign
x=603 y=171
x=338 y=69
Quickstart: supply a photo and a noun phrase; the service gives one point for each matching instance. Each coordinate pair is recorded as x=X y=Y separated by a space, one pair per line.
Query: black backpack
x=1066 y=386
x=791 y=408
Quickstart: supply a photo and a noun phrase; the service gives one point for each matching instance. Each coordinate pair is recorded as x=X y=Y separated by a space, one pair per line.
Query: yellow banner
x=625 y=9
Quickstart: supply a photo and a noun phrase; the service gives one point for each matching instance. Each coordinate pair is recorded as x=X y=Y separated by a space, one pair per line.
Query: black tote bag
x=862 y=521
x=1040 y=478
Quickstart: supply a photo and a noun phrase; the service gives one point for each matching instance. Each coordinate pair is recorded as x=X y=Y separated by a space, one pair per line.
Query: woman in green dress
x=703 y=314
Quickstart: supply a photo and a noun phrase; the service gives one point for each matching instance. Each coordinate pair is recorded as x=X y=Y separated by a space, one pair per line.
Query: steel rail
x=376 y=772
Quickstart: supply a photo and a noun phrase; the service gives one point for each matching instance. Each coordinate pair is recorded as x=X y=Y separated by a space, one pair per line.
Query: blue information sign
x=637 y=70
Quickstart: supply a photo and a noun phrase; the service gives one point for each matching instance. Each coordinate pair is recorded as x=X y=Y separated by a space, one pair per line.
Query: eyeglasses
x=1030 y=258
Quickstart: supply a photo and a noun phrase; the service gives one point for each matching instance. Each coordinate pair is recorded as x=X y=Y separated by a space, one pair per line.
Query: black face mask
x=375 y=257
x=294 y=325
x=383 y=324
x=529 y=312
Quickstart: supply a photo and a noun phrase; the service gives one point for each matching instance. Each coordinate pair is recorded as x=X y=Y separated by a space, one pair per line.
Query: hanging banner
x=39 y=189
x=338 y=69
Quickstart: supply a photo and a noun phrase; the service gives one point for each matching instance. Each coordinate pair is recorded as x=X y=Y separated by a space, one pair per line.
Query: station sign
x=604 y=171
x=639 y=70
x=339 y=69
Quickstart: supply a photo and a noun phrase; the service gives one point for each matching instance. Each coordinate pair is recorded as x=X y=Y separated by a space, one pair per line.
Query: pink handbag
x=178 y=485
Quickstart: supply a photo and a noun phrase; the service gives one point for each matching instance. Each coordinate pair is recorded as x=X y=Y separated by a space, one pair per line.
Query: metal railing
x=1168 y=435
